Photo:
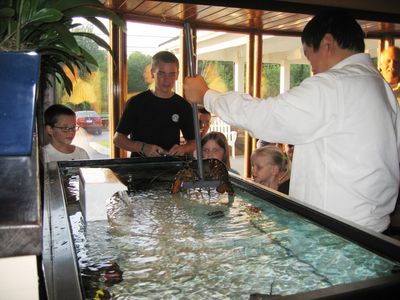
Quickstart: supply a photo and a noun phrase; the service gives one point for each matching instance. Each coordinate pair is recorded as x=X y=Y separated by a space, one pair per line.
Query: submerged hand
x=194 y=89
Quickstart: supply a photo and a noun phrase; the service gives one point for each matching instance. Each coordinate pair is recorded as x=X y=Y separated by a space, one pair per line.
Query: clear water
x=173 y=248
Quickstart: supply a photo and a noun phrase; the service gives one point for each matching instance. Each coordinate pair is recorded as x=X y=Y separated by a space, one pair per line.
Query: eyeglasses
x=163 y=75
x=66 y=129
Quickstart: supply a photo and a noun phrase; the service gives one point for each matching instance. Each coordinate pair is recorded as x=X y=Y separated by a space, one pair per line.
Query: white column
x=285 y=76
x=239 y=74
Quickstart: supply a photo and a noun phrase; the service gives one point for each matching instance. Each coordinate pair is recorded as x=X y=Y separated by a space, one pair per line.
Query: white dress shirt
x=344 y=124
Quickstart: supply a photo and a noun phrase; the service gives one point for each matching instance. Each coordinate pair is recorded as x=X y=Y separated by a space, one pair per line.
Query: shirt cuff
x=209 y=99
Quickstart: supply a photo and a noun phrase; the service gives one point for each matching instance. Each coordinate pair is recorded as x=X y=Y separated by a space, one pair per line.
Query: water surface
x=203 y=245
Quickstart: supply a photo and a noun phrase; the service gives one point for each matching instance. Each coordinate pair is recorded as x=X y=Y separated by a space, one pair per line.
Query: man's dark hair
x=53 y=112
x=203 y=111
x=342 y=26
x=165 y=57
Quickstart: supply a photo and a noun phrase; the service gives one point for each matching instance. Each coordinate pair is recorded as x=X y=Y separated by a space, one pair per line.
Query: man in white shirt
x=344 y=122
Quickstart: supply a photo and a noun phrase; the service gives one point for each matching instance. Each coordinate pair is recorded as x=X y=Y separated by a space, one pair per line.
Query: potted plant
x=46 y=27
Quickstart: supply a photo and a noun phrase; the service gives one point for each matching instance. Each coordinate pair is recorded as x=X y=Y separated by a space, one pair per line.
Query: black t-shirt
x=153 y=120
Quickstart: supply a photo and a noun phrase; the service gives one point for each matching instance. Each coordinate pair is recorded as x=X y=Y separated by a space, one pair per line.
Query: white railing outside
x=218 y=125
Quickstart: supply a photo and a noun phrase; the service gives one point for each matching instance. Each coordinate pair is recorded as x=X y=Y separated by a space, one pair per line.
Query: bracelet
x=142 y=149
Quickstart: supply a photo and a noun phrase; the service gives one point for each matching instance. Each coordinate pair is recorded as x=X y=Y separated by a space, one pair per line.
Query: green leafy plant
x=47 y=27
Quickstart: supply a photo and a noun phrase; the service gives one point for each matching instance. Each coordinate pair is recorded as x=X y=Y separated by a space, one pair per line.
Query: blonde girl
x=270 y=166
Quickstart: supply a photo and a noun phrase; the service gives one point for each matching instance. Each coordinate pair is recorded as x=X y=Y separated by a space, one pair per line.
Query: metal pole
x=190 y=58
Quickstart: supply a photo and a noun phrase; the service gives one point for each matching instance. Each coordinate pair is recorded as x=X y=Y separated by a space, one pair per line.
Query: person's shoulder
x=178 y=97
x=49 y=148
x=82 y=153
x=45 y=151
x=140 y=96
x=181 y=101
x=359 y=63
x=46 y=147
x=139 y=100
x=50 y=153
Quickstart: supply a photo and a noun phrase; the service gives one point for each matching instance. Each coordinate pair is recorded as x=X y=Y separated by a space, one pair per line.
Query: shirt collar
x=359 y=58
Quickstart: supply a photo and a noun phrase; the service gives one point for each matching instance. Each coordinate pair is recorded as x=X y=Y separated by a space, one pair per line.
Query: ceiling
x=277 y=17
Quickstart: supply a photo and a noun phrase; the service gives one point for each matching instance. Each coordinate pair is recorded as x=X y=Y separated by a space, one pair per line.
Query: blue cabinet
x=19 y=79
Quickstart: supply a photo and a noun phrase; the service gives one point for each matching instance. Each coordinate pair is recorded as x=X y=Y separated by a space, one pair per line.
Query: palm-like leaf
x=46 y=27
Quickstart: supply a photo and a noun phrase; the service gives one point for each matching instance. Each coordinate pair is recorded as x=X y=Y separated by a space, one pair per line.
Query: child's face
x=262 y=169
x=212 y=150
x=58 y=136
x=204 y=123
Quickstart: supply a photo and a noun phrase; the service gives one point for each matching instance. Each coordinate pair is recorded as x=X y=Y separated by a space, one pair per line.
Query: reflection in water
x=193 y=245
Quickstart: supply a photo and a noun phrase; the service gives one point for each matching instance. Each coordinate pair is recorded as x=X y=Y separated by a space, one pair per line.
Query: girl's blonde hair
x=221 y=140
x=278 y=158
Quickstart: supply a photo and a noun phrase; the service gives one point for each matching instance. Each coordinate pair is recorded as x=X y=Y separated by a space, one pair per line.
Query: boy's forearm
x=190 y=146
x=122 y=141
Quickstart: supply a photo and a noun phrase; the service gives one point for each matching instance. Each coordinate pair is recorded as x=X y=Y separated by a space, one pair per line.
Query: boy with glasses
x=60 y=125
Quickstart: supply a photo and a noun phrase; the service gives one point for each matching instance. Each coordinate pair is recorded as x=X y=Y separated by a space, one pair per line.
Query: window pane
x=219 y=75
x=270 y=81
x=143 y=41
x=221 y=61
x=90 y=97
x=298 y=72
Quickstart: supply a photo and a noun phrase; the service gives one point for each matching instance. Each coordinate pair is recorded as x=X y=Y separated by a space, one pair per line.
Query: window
x=90 y=93
x=143 y=41
x=298 y=72
x=270 y=81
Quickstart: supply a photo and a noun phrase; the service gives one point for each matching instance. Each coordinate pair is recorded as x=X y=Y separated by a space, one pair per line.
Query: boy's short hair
x=52 y=113
x=202 y=110
x=342 y=26
x=165 y=57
